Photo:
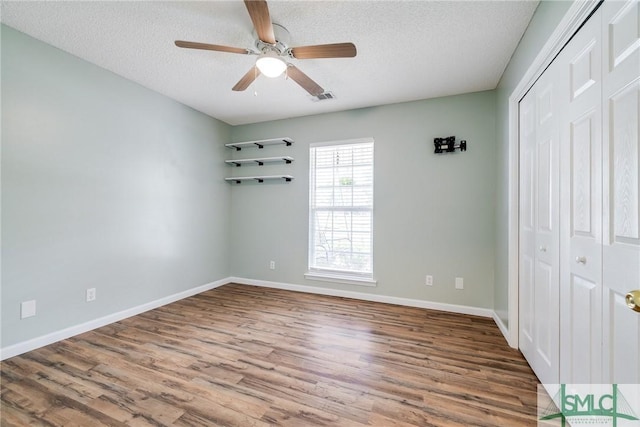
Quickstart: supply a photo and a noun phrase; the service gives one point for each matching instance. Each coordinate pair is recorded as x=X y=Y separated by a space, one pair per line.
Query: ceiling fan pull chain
x=255 y=73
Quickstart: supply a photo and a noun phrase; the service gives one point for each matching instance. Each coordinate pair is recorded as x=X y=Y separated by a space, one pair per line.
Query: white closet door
x=621 y=155
x=581 y=207
x=539 y=229
x=527 y=235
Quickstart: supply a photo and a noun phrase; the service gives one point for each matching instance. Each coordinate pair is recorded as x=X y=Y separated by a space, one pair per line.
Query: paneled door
x=621 y=212
x=539 y=228
x=581 y=207
x=587 y=330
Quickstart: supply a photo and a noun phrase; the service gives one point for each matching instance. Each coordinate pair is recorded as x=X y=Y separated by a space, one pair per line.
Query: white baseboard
x=505 y=331
x=453 y=308
x=34 y=343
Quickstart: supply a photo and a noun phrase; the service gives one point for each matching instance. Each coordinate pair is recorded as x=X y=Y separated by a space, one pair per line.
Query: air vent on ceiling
x=323 y=96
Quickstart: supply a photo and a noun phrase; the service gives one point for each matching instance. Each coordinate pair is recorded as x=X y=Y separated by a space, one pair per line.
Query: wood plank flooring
x=247 y=356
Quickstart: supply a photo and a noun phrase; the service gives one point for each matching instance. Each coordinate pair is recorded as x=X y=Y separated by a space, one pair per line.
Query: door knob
x=633 y=300
x=581 y=259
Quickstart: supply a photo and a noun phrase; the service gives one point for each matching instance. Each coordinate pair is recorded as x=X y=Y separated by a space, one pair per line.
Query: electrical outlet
x=428 y=280
x=459 y=283
x=272 y=265
x=28 y=309
x=91 y=294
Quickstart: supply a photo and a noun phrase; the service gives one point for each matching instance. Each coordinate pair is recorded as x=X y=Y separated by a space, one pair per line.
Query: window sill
x=340 y=278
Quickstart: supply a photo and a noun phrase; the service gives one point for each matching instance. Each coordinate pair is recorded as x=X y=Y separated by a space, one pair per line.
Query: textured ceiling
x=407 y=50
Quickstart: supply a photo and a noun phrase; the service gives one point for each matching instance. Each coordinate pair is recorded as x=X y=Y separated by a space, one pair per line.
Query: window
x=341 y=211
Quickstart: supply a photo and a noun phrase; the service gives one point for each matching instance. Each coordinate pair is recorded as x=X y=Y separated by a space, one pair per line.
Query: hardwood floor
x=246 y=356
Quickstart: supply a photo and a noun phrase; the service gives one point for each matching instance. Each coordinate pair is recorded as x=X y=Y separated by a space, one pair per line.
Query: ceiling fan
x=273 y=52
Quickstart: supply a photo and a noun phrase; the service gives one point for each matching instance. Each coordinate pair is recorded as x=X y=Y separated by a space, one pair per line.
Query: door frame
x=573 y=19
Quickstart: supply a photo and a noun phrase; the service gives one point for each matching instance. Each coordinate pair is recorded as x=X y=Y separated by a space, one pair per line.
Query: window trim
x=335 y=275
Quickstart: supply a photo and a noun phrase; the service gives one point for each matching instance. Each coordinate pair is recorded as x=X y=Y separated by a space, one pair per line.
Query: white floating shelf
x=260 y=143
x=260 y=161
x=239 y=179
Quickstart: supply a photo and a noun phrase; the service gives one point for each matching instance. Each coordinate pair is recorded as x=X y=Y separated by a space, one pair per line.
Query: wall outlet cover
x=428 y=280
x=459 y=283
x=91 y=294
x=28 y=309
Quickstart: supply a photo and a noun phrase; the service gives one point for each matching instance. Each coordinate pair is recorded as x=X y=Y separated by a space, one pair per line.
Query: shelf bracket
x=260 y=163
x=287 y=179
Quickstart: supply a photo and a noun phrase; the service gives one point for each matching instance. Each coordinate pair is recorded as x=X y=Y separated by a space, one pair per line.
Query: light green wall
x=105 y=184
x=433 y=214
x=544 y=21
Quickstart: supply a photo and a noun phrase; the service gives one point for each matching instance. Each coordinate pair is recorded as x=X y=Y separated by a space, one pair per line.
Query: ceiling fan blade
x=206 y=46
x=335 y=50
x=303 y=80
x=247 y=79
x=259 y=13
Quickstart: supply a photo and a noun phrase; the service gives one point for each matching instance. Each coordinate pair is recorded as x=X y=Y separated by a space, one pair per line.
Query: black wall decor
x=449 y=145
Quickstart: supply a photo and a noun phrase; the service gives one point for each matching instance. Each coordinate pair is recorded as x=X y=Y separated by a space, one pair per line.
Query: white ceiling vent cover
x=323 y=96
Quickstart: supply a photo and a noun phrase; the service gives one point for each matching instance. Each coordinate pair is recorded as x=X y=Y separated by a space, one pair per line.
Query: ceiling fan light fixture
x=270 y=64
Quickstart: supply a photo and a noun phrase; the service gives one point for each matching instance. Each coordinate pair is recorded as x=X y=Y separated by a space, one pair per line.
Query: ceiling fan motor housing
x=280 y=47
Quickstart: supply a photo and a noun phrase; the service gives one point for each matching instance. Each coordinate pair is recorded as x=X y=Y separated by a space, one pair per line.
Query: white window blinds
x=341 y=208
